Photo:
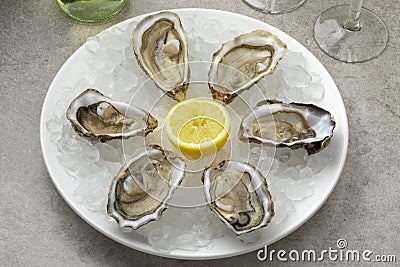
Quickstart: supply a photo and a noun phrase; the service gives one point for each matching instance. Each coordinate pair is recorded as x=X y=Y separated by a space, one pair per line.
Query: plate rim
x=301 y=220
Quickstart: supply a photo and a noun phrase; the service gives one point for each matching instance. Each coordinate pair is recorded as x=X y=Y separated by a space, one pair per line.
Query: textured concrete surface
x=39 y=229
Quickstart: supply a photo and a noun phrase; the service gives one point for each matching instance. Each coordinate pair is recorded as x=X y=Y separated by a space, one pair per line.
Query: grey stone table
x=37 y=227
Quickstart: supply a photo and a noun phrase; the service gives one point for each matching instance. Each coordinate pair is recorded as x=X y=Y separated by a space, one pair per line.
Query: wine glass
x=274 y=6
x=351 y=33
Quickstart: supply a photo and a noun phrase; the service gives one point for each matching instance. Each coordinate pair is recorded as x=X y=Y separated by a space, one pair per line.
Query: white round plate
x=225 y=246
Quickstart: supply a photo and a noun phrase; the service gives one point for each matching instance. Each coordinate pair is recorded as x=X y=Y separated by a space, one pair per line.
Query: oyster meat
x=97 y=117
x=141 y=190
x=242 y=62
x=160 y=45
x=293 y=125
x=237 y=193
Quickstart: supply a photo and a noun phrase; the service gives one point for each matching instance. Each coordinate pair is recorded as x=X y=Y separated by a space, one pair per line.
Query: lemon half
x=198 y=127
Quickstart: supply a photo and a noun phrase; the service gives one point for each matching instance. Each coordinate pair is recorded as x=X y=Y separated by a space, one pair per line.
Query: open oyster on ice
x=293 y=125
x=97 y=117
x=141 y=190
x=242 y=62
x=238 y=194
x=160 y=45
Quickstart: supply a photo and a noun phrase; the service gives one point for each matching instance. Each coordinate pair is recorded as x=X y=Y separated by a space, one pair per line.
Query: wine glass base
x=350 y=46
x=274 y=6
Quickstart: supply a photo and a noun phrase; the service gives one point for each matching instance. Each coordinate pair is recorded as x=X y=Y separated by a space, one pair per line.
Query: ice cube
x=272 y=83
x=111 y=167
x=251 y=237
x=113 y=41
x=316 y=77
x=283 y=154
x=292 y=59
x=104 y=80
x=189 y=229
x=294 y=190
x=131 y=146
x=203 y=239
x=60 y=108
x=54 y=125
x=291 y=172
x=163 y=238
x=92 y=44
x=315 y=91
x=294 y=94
x=296 y=76
x=186 y=241
x=280 y=205
x=198 y=44
x=255 y=98
x=189 y=24
x=114 y=58
x=93 y=187
x=306 y=173
x=297 y=157
x=55 y=137
x=124 y=80
x=129 y=54
x=130 y=27
x=96 y=61
x=74 y=152
x=82 y=84
x=108 y=152
x=265 y=165
x=210 y=30
x=318 y=162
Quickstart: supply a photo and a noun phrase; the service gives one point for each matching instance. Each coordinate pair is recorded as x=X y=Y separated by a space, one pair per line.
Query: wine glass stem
x=352 y=23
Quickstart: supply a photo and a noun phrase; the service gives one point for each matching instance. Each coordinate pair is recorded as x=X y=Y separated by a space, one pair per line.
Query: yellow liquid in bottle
x=91 y=10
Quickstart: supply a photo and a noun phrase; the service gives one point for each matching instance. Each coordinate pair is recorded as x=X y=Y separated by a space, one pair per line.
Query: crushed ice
x=114 y=71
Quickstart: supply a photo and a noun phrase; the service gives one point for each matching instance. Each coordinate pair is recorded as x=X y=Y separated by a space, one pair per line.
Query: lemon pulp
x=198 y=127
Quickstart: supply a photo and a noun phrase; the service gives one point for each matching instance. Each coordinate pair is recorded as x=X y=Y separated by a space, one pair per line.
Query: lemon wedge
x=198 y=127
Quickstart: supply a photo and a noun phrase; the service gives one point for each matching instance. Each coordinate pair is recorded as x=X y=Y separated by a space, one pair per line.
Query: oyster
x=242 y=62
x=238 y=194
x=293 y=125
x=160 y=46
x=140 y=191
x=95 y=116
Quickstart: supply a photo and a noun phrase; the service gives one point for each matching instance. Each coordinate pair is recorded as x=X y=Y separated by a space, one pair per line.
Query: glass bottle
x=91 y=10
x=274 y=6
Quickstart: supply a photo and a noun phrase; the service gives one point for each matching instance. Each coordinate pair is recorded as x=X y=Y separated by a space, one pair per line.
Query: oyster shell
x=97 y=117
x=293 y=125
x=242 y=62
x=160 y=46
x=238 y=194
x=140 y=191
